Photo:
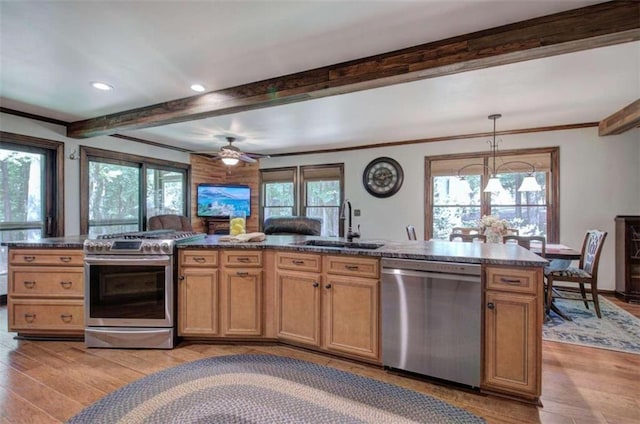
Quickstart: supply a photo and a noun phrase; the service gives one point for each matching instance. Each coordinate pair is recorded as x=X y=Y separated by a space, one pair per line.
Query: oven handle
x=119 y=260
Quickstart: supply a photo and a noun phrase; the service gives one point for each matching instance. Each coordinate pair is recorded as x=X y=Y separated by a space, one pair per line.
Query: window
x=120 y=192
x=278 y=192
x=321 y=194
x=453 y=204
x=30 y=205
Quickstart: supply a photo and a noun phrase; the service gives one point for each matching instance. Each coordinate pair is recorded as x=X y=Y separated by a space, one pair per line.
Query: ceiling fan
x=231 y=155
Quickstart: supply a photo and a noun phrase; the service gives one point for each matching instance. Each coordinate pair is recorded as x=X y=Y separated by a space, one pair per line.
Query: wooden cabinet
x=513 y=313
x=198 y=290
x=298 y=299
x=46 y=292
x=628 y=258
x=241 y=292
x=334 y=307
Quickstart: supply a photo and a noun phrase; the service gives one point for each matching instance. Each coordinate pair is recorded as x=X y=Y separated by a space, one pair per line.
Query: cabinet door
x=512 y=354
x=298 y=307
x=241 y=302
x=351 y=312
x=198 y=302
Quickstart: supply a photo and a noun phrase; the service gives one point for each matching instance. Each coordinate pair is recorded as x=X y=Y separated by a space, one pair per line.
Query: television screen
x=221 y=200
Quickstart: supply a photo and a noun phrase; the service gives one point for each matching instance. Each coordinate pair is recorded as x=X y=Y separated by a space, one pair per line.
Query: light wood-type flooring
x=49 y=382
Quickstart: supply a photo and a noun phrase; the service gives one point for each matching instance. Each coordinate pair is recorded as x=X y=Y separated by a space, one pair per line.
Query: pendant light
x=494 y=185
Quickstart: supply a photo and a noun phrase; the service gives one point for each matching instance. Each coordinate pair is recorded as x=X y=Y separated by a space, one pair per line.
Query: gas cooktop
x=155 y=235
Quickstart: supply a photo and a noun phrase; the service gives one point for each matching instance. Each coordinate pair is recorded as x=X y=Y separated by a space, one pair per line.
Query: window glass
x=165 y=193
x=456 y=203
x=525 y=211
x=323 y=201
x=114 y=198
x=278 y=199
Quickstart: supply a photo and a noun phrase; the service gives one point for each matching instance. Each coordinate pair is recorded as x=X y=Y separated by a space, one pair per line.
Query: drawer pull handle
x=243 y=259
x=490 y=305
x=29 y=258
x=297 y=262
x=242 y=273
x=181 y=278
x=29 y=318
x=328 y=286
x=510 y=281
x=29 y=284
x=66 y=284
x=200 y=259
x=65 y=258
x=351 y=267
x=66 y=318
x=316 y=284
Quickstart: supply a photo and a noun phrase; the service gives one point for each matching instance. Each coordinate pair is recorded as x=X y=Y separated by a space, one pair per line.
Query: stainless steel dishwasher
x=431 y=313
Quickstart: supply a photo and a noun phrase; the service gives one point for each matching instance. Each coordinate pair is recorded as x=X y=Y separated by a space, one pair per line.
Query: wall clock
x=383 y=177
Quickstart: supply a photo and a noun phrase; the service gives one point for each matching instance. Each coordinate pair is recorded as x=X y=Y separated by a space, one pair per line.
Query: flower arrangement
x=494 y=224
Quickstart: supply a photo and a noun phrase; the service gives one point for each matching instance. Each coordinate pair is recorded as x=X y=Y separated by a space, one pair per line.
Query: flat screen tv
x=221 y=200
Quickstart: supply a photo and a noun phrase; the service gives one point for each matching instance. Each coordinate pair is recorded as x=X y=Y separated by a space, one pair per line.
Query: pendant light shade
x=529 y=183
x=493 y=186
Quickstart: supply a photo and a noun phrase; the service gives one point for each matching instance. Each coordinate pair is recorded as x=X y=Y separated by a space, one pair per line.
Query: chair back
x=467 y=238
x=170 y=222
x=411 y=232
x=513 y=232
x=525 y=241
x=591 y=248
x=465 y=230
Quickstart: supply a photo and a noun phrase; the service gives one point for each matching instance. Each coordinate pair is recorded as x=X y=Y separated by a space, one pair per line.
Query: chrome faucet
x=350 y=233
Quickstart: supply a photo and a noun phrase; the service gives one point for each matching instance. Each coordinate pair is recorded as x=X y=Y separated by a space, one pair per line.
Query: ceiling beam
x=566 y=32
x=626 y=118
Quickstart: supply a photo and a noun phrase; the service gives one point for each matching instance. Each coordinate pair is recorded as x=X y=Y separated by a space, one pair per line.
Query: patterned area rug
x=617 y=330
x=266 y=389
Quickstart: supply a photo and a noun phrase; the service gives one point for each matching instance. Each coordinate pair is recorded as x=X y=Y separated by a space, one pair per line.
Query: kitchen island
x=321 y=296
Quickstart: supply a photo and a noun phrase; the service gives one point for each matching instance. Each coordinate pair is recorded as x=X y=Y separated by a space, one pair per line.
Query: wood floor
x=49 y=382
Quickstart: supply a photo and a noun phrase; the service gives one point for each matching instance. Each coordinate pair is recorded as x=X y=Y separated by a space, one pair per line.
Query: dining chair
x=525 y=241
x=411 y=232
x=468 y=238
x=466 y=230
x=585 y=273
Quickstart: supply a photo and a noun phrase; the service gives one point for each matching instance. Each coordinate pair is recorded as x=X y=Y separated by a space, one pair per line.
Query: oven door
x=129 y=291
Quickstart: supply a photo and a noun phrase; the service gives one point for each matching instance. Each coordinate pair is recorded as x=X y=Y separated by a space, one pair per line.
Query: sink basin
x=341 y=244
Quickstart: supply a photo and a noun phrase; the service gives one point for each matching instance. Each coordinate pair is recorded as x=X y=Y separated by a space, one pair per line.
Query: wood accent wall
x=205 y=170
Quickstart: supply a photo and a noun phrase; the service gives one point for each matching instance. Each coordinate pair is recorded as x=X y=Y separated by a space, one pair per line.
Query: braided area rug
x=266 y=389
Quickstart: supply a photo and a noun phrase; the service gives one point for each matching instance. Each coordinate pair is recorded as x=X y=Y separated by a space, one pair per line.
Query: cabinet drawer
x=299 y=261
x=513 y=279
x=240 y=257
x=355 y=266
x=53 y=315
x=202 y=258
x=46 y=257
x=54 y=281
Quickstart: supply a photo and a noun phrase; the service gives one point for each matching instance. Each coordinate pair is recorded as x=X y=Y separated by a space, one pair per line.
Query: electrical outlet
x=356 y=212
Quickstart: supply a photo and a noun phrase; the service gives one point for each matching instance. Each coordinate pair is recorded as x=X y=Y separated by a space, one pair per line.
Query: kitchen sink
x=341 y=244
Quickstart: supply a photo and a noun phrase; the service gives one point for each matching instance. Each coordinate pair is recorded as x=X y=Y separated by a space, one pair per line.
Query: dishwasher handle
x=424 y=274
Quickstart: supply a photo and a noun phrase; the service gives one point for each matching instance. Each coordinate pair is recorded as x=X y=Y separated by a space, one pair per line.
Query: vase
x=493 y=236
x=237 y=223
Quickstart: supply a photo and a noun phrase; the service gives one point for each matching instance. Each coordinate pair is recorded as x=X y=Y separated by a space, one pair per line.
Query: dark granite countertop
x=478 y=253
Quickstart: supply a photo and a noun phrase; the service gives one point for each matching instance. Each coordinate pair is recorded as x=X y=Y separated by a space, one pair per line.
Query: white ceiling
x=152 y=51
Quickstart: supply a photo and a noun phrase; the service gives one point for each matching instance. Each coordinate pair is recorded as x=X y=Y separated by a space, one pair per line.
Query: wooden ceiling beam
x=574 y=30
x=623 y=120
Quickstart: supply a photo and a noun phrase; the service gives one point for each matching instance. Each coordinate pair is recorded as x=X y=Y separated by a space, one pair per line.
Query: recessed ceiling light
x=101 y=85
x=197 y=87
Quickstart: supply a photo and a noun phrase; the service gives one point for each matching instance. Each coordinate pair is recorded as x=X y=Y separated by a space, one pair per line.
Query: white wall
x=33 y=128
x=599 y=179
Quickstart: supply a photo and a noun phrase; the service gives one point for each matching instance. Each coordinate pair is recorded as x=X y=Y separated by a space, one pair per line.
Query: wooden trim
x=444 y=138
x=623 y=120
x=33 y=116
x=575 y=30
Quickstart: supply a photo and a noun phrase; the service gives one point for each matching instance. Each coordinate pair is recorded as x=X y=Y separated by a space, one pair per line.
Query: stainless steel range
x=130 y=289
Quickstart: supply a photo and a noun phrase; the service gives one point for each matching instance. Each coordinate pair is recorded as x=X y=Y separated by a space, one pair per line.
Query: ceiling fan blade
x=247 y=159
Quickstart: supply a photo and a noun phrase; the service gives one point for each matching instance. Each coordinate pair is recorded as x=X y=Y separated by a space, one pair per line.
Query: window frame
x=552 y=193
x=264 y=179
x=88 y=154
